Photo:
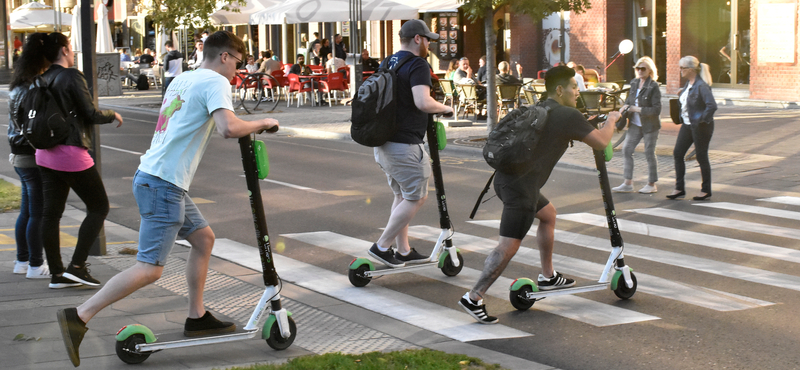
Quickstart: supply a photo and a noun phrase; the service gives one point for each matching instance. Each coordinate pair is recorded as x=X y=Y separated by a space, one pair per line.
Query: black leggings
x=89 y=187
x=700 y=135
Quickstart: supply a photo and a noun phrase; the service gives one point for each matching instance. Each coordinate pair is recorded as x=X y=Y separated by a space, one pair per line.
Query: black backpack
x=510 y=145
x=375 y=107
x=42 y=118
x=142 y=83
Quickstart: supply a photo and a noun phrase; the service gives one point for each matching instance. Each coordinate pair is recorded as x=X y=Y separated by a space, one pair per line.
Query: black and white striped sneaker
x=477 y=310
x=555 y=282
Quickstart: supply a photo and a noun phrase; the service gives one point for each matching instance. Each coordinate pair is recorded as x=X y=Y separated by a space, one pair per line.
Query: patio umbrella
x=75 y=30
x=243 y=16
x=35 y=17
x=303 y=11
x=104 y=43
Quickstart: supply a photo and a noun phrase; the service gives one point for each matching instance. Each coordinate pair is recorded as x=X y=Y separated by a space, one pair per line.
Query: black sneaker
x=72 y=331
x=477 y=310
x=555 y=282
x=81 y=275
x=206 y=325
x=412 y=257
x=387 y=257
x=59 y=282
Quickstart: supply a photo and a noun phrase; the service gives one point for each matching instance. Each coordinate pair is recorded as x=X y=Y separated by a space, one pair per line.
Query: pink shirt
x=65 y=158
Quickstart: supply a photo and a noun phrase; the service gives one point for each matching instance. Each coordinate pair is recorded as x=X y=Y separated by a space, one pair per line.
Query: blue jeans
x=27 y=232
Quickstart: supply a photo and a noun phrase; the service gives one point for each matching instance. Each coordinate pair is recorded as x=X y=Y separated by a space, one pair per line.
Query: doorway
x=722 y=39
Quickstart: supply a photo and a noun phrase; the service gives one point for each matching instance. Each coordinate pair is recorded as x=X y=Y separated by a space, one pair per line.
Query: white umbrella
x=434 y=5
x=75 y=30
x=304 y=11
x=104 y=43
x=243 y=16
x=36 y=17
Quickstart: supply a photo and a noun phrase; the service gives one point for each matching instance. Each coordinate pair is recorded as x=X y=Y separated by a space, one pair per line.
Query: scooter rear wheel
x=357 y=277
x=126 y=350
x=519 y=298
x=276 y=341
x=622 y=291
x=448 y=268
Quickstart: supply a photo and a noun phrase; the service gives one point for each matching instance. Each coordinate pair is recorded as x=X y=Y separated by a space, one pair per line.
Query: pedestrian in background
x=403 y=158
x=27 y=229
x=171 y=70
x=69 y=166
x=643 y=106
x=451 y=70
x=697 y=117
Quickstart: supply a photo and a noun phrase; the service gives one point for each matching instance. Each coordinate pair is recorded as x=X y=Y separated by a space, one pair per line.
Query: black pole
x=89 y=58
x=4 y=37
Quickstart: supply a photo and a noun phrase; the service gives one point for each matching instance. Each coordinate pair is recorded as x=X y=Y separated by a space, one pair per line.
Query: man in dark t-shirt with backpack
x=403 y=158
x=522 y=201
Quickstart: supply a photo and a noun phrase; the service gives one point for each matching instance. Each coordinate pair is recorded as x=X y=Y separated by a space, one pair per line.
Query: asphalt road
x=716 y=292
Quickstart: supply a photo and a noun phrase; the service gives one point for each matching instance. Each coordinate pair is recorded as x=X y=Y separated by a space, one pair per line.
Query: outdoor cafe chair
x=333 y=83
x=449 y=91
x=598 y=102
x=468 y=99
x=507 y=96
x=530 y=97
x=296 y=88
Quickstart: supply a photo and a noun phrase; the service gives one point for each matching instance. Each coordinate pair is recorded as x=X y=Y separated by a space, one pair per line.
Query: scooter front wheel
x=519 y=298
x=276 y=341
x=357 y=277
x=448 y=268
x=126 y=350
x=622 y=291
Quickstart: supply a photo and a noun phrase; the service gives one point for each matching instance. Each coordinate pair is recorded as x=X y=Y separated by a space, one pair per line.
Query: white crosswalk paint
x=764 y=211
x=689 y=237
x=572 y=307
x=692 y=294
x=728 y=223
x=792 y=201
x=448 y=322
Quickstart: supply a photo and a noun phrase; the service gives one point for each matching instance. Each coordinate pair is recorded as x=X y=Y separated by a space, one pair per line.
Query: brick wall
x=526 y=44
x=617 y=15
x=674 y=36
x=772 y=81
x=588 y=36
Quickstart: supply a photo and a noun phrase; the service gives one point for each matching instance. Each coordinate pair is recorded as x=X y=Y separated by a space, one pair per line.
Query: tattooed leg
x=495 y=263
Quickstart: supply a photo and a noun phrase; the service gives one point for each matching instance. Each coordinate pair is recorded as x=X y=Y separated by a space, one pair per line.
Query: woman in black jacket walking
x=69 y=166
x=643 y=107
x=27 y=230
x=697 y=116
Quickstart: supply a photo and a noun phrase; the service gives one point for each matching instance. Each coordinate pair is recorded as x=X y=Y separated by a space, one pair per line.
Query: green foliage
x=10 y=196
x=536 y=9
x=190 y=13
x=409 y=359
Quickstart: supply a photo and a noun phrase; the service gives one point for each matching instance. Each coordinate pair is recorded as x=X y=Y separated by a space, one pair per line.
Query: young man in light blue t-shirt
x=194 y=105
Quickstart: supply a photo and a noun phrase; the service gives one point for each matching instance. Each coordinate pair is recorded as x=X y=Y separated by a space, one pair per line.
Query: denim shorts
x=407 y=168
x=167 y=213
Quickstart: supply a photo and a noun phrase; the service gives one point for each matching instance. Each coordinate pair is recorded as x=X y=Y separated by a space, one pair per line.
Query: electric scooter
x=444 y=255
x=135 y=343
x=616 y=275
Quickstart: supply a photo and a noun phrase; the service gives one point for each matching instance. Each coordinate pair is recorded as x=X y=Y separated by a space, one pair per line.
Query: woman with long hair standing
x=697 y=116
x=643 y=107
x=27 y=231
x=69 y=166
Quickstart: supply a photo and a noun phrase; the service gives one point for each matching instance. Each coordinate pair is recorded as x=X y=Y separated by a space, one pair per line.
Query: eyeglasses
x=642 y=69
x=684 y=67
x=239 y=62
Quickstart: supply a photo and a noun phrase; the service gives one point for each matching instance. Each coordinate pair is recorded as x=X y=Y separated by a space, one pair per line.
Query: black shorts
x=521 y=201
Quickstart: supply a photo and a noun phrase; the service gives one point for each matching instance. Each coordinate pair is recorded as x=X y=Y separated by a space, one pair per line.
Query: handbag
x=675 y=111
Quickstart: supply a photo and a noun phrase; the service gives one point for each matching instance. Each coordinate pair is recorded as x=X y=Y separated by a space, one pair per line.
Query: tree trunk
x=491 y=65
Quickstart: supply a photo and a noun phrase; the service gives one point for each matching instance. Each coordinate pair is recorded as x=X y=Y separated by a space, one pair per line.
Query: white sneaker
x=623 y=188
x=20 y=267
x=41 y=272
x=647 y=189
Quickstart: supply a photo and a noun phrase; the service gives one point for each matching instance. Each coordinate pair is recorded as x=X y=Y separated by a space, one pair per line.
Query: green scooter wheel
x=622 y=291
x=357 y=277
x=126 y=350
x=519 y=298
x=448 y=268
x=277 y=341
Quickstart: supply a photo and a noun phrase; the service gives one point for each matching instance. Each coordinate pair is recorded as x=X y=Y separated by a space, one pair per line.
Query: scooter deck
x=178 y=340
x=567 y=291
x=386 y=270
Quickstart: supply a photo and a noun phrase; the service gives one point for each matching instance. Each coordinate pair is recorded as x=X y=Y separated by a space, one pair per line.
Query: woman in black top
x=27 y=230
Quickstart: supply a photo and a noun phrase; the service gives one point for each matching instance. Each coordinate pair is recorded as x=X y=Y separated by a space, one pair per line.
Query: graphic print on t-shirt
x=166 y=113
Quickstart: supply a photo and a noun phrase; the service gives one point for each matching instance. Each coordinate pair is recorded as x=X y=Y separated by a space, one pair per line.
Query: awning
x=304 y=11
x=243 y=17
x=427 y=6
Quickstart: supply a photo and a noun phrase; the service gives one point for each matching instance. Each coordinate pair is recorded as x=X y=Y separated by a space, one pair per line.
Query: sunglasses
x=239 y=62
x=641 y=69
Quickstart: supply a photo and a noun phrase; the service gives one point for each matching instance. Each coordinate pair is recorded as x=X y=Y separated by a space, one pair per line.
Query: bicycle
x=257 y=88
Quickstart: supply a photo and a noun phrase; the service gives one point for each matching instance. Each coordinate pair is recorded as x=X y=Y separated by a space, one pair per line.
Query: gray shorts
x=407 y=167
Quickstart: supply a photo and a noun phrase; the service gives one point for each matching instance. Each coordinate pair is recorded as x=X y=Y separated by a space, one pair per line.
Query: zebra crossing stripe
x=454 y=324
x=764 y=211
x=691 y=294
x=694 y=218
x=792 y=201
x=572 y=307
x=690 y=237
